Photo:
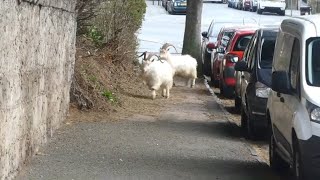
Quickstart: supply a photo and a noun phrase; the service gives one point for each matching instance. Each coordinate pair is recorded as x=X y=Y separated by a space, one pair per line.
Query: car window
x=267 y=50
x=294 y=64
x=242 y=43
x=252 y=53
x=249 y=47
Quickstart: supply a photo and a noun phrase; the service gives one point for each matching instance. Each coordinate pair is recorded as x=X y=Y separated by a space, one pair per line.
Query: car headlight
x=314 y=111
x=175 y=4
x=262 y=90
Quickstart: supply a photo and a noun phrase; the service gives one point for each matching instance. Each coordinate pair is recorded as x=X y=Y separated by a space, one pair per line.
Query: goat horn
x=151 y=55
x=144 y=54
x=167 y=45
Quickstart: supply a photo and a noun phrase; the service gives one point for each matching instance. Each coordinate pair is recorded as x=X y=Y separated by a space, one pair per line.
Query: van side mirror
x=241 y=66
x=280 y=82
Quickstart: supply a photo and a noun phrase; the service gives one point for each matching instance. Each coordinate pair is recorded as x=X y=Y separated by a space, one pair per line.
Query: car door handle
x=282 y=99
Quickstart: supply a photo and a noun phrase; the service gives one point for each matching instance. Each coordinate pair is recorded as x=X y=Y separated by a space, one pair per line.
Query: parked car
x=253 y=5
x=214 y=1
x=244 y=5
x=305 y=9
x=164 y=3
x=234 y=52
x=239 y=4
x=275 y=6
x=177 y=6
x=293 y=107
x=209 y=39
x=231 y=3
x=224 y=36
x=256 y=81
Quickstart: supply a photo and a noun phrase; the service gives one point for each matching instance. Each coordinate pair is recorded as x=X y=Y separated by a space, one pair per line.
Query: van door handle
x=278 y=94
x=282 y=99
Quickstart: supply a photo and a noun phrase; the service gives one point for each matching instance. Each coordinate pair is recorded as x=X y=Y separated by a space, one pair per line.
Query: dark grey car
x=256 y=81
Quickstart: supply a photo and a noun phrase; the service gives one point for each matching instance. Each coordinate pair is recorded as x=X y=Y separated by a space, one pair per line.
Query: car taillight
x=211 y=46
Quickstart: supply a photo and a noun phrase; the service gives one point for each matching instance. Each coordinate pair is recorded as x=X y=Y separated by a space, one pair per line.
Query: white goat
x=157 y=74
x=183 y=65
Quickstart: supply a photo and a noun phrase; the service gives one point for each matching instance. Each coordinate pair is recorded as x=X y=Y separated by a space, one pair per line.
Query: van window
x=242 y=43
x=267 y=50
x=294 y=64
x=313 y=68
x=284 y=49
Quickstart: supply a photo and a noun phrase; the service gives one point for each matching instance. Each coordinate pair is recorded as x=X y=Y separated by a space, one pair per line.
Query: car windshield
x=314 y=62
x=242 y=43
x=267 y=49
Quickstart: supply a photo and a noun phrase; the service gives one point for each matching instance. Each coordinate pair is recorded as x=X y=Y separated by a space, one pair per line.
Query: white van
x=274 y=6
x=293 y=107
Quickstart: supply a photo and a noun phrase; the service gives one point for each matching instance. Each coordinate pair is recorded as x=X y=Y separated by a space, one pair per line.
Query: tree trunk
x=192 y=36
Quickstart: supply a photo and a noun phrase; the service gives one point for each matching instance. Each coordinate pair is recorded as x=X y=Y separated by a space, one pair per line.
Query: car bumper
x=311 y=156
x=180 y=9
x=258 y=107
x=228 y=76
x=272 y=8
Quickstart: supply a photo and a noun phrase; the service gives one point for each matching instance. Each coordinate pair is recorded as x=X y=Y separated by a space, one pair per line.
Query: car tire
x=237 y=103
x=254 y=9
x=259 y=11
x=276 y=162
x=227 y=91
x=213 y=82
x=282 y=13
x=297 y=161
x=243 y=124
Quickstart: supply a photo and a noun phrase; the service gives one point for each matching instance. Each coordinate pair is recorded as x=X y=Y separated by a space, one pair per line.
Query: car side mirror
x=280 y=82
x=204 y=34
x=241 y=66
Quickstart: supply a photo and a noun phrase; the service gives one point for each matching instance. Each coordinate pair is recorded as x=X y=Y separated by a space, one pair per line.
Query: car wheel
x=259 y=11
x=228 y=91
x=276 y=162
x=243 y=121
x=221 y=87
x=254 y=9
x=237 y=102
x=297 y=162
x=282 y=13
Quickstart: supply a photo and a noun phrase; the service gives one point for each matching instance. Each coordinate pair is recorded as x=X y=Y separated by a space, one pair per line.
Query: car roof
x=313 y=19
x=268 y=32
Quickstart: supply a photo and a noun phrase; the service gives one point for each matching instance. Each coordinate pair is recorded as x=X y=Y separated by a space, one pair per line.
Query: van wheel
x=297 y=162
x=276 y=162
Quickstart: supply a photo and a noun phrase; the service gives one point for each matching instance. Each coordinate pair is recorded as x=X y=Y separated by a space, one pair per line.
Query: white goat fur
x=183 y=65
x=156 y=75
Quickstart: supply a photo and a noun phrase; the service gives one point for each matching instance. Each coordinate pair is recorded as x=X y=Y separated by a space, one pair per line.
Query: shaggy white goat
x=183 y=65
x=157 y=74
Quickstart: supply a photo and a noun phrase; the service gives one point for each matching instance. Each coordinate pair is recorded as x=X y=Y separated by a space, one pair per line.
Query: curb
x=252 y=151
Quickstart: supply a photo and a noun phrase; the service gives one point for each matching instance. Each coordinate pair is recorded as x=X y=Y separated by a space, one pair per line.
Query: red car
x=234 y=52
x=217 y=56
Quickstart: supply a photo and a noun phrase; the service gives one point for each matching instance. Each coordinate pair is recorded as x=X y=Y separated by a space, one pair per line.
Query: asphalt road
x=191 y=139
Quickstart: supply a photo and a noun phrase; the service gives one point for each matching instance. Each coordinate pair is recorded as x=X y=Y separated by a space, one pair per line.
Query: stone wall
x=37 y=48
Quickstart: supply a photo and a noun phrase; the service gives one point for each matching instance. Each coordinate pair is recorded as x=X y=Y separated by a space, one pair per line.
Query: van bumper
x=310 y=152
